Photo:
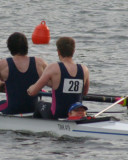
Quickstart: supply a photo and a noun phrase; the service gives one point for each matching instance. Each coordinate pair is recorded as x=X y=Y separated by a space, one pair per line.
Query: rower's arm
x=86 y=80
x=43 y=80
x=49 y=84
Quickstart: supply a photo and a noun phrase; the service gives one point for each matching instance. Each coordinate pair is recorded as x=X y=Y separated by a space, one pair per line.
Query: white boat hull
x=106 y=129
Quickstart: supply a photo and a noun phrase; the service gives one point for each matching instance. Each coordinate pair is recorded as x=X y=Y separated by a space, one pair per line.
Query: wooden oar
x=117 y=102
x=93 y=97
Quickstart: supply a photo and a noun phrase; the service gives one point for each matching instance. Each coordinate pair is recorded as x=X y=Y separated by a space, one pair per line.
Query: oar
x=98 y=98
x=93 y=97
x=117 y=102
x=108 y=111
x=102 y=95
x=47 y=94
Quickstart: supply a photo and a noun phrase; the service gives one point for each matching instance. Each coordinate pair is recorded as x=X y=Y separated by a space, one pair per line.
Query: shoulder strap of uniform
x=32 y=63
x=11 y=64
x=80 y=72
x=62 y=68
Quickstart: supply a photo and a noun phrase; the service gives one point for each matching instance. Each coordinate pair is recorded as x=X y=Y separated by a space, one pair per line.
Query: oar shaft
x=110 y=106
x=102 y=95
x=107 y=112
x=89 y=97
x=47 y=94
x=108 y=99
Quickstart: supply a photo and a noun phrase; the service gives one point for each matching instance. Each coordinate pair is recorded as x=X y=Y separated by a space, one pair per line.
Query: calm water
x=100 y=29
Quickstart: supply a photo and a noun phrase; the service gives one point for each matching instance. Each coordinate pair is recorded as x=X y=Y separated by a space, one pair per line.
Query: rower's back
x=19 y=72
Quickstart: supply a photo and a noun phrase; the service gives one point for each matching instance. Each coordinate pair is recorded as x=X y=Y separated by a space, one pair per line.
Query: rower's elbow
x=31 y=93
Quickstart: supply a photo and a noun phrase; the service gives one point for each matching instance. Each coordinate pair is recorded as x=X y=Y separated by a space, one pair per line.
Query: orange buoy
x=41 y=34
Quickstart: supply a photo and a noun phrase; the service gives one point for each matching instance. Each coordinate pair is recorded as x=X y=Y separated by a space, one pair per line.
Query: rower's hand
x=30 y=90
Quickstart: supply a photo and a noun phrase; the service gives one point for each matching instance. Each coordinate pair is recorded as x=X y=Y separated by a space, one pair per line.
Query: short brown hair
x=17 y=44
x=66 y=46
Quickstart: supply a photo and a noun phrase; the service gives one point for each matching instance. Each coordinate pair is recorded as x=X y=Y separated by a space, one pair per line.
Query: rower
x=69 y=82
x=17 y=73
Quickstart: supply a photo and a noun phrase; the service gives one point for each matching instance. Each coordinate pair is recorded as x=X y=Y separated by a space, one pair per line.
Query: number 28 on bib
x=73 y=86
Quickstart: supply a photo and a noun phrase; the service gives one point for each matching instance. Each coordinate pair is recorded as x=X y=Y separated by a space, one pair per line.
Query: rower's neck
x=66 y=59
x=20 y=56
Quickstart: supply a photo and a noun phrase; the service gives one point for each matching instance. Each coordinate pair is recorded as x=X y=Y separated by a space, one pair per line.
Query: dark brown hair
x=17 y=44
x=66 y=46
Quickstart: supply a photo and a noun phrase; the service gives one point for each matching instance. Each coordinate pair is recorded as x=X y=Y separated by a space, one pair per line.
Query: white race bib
x=73 y=86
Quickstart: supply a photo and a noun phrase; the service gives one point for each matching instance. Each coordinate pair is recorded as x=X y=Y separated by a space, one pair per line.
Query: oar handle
x=111 y=106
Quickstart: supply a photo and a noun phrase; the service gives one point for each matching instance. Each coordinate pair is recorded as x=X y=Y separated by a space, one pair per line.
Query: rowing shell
x=106 y=127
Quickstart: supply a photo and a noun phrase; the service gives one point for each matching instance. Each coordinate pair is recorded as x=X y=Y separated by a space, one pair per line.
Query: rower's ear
x=58 y=52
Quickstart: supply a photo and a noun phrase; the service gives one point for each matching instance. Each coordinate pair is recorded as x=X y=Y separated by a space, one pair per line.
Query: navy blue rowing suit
x=18 y=101
x=69 y=91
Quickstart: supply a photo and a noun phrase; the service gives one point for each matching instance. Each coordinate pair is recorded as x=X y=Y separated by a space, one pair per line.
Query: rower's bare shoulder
x=85 y=68
x=40 y=61
x=3 y=63
x=52 y=69
x=53 y=66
